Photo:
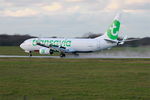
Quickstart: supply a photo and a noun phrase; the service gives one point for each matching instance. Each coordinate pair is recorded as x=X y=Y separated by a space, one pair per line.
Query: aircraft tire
x=62 y=55
x=30 y=54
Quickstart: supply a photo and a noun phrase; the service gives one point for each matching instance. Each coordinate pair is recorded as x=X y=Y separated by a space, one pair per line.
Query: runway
x=76 y=57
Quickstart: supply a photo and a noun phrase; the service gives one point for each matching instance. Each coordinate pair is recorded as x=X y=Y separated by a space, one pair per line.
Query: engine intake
x=45 y=51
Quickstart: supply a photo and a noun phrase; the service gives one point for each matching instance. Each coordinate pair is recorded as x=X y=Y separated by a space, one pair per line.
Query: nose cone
x=22 y=46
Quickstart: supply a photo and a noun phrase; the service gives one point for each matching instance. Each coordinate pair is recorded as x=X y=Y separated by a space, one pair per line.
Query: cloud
x=26 y=2
x=70 y=16
x=129 y=6
x=74 y=0
x=136 y=1
x=137 y=6
x=53 y=7
x=19 y=13
x=73 y=9
x=113 y=5
x=47 y=7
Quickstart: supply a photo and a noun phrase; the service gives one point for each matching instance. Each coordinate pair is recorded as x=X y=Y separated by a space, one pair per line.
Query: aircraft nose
x=22 y=46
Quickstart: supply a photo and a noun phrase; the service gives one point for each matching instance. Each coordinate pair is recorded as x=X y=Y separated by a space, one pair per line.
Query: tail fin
x=113 y=31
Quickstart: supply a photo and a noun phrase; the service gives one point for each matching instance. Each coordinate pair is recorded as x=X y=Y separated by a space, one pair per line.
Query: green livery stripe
x=65 y=43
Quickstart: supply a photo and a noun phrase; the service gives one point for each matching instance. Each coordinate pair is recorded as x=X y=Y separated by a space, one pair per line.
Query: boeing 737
x=74 y=46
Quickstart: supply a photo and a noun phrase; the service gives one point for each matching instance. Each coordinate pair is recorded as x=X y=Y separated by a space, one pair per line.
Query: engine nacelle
x=45 y=51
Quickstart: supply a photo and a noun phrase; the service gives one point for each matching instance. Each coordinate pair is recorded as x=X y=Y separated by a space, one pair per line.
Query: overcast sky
x=72 y=18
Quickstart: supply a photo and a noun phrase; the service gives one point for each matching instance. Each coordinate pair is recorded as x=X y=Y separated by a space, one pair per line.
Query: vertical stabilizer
x=113 y=31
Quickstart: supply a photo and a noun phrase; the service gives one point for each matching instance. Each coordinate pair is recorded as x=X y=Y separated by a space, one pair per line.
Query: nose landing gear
x=30 y=53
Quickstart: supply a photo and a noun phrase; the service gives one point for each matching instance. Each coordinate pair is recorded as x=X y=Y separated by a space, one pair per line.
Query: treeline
x=16 y=40
x=13 y=40
x=135 y=42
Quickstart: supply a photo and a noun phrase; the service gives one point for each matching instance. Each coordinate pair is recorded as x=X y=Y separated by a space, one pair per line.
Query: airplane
x=48 y=46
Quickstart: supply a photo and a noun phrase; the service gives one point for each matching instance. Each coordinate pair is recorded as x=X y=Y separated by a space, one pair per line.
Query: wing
x=57 y=48
x=111 y=41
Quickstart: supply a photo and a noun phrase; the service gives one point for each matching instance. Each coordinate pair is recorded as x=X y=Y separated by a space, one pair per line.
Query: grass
x=11 y=50
x=74 y=79
x=16 y=50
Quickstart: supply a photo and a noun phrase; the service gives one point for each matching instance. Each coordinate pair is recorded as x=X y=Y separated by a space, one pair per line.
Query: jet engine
x=45 y=51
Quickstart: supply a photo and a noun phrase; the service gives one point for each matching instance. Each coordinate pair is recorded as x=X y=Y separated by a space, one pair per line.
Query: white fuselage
x=73 y=45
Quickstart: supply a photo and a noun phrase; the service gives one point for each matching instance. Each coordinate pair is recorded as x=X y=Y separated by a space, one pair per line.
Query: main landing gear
x=62 y=55
x=76 y=54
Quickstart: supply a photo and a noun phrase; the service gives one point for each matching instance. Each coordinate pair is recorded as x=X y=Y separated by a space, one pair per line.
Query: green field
x=74 y=79
x=11 y=50
x=16 y=50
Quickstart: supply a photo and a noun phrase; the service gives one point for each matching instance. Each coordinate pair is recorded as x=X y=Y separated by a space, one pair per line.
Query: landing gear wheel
x=76 y=54
x=51 y=52
x=30 y=54
x=62 y=55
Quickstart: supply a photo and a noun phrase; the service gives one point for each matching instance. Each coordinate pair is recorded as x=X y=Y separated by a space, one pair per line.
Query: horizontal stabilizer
x=111 y=41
